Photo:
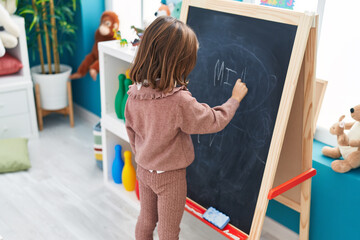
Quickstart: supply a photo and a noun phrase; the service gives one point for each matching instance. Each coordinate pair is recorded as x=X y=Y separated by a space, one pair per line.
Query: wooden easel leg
x=38 y=107
x=308 y=131
x=70 y=107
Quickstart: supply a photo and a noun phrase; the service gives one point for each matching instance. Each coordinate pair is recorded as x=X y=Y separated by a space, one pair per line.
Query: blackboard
x=229 y=165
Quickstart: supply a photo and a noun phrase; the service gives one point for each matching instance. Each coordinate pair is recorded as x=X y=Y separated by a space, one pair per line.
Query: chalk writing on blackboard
x=219 y=77
x=219 y=73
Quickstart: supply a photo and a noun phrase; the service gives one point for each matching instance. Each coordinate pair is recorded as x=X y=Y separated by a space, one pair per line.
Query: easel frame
x=303 y=54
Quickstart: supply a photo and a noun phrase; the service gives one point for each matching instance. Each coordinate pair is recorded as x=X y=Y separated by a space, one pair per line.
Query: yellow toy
x=128 y=173
x=117 y=36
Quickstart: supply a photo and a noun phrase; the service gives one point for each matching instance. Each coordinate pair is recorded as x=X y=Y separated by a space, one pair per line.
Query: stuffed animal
x=9 y=31
x=163 y=11
x=108 y=25
x=170 y=7
x=349 y=145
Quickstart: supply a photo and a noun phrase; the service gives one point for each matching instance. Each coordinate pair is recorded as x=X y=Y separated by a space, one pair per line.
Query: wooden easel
x=69 y=110
x=289 y=161
x=296 y=155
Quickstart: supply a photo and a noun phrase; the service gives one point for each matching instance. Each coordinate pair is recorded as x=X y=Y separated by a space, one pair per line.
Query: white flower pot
x=53 y=91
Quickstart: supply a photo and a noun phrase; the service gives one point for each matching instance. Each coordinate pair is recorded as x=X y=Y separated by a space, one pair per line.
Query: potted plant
x=50 y=31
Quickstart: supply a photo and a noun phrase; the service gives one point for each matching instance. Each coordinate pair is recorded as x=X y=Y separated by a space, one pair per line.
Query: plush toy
x=9 y=31
x=109 y=24
x=170 y=8
x=163 y=11
x=349 y=145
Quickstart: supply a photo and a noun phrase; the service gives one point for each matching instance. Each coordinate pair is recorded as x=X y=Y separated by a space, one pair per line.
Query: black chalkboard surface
x=229 y=165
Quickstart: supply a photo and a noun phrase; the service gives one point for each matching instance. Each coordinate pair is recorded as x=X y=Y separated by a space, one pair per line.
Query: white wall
x=338 y=63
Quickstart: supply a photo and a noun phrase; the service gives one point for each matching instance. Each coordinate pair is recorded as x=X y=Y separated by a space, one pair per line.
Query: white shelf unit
x=17 y=105
x=113 y=61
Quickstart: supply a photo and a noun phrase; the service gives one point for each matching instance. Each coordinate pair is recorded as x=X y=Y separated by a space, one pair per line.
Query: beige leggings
x=162 y=200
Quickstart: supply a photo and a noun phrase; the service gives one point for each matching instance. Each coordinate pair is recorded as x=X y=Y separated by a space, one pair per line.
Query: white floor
x=63 y=196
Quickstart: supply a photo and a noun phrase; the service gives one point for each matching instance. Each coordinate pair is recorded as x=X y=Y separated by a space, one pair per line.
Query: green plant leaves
x=64 y=12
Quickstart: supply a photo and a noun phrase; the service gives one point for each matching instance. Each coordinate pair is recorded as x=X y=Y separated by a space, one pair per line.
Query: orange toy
x=163 y=11
x=108 y=24
x=128 y=173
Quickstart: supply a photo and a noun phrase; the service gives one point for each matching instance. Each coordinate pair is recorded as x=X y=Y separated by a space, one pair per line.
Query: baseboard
x=273 y=230
x=86 y=114
x=322 y=134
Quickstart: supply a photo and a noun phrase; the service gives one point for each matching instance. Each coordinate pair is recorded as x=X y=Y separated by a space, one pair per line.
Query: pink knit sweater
x=159 y=125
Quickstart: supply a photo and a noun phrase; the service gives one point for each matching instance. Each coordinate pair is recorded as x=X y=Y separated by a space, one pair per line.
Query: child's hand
x=239 y=91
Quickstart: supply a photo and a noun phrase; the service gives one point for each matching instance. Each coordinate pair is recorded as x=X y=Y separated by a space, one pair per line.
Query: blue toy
x=117 y=165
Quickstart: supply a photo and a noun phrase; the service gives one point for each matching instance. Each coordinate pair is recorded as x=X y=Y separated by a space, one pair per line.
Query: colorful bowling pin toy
x=128 y=173
x=119 y=97
x=117 y=165
x=127 y=83
x=137 y=190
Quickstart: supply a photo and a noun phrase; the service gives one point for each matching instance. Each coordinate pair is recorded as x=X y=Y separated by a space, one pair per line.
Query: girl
x=160 y=116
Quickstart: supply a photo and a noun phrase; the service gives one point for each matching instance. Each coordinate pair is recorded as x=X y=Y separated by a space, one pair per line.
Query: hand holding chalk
x=239 y=91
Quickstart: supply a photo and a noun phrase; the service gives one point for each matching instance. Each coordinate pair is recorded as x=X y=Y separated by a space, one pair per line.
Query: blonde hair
x=168 y=51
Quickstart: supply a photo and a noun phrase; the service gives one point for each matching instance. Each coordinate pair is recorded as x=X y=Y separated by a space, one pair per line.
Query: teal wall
x=284 y=215
x=86 y=92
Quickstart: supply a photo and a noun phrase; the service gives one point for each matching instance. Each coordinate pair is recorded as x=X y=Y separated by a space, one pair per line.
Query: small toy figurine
x=136 y=42
x=137 y=30
x=117 y=36
x=139 y=33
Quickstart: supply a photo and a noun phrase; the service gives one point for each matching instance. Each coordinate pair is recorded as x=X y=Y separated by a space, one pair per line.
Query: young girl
x=160 y=116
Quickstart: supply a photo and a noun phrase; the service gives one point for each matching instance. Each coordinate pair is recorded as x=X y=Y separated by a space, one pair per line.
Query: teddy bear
x=349 y=145
x=9 y=31
x=109 y=24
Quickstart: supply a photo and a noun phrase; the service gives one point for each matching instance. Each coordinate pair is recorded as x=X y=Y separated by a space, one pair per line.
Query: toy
x=171 y=8
x=98 y=145
x=8 y=38
x=139 y=32
x=122 y=96
x=119 y=97
x=117 y=36
x=117 y=166
x=128 y=173
x=137 y=189
x=163 y=11
x=108 y=24
x=127 y=83
x=349 y=146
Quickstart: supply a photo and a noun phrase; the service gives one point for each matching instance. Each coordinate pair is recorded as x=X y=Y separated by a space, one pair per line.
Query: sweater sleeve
x=131 y=135
x=130 y=131
x=198 y=118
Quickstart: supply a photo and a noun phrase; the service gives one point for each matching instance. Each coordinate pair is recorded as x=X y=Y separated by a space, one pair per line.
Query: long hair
x=167 y=52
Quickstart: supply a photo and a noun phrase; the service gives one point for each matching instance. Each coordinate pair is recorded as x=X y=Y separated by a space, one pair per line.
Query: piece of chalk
x=215 y=217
